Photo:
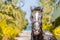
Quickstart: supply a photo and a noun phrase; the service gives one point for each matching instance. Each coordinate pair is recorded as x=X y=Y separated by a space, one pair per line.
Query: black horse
x=37 y=32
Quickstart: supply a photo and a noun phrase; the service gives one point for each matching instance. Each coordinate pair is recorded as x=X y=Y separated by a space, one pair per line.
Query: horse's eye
x=31 y=16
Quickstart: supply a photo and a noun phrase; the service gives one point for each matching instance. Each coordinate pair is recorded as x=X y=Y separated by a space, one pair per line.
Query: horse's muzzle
x=36 y=32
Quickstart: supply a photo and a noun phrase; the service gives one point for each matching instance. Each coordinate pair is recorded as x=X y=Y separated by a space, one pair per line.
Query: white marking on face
x=37 y=14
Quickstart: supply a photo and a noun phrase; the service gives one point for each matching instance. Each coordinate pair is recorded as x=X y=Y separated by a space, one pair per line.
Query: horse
x=37 y=32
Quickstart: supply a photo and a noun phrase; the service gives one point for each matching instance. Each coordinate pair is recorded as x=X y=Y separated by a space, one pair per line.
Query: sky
x=26 y=5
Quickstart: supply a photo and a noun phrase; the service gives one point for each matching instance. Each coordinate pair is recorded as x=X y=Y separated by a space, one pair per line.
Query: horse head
x=36 y=18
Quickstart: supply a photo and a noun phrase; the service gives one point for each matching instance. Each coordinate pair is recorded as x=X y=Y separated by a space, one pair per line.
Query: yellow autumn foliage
x=7 y=30
x=47 y=10
x=12 y=20
x=56 y=32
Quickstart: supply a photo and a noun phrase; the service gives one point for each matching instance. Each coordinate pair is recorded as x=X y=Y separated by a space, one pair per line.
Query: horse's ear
x=31 y=9
x=41 y=9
